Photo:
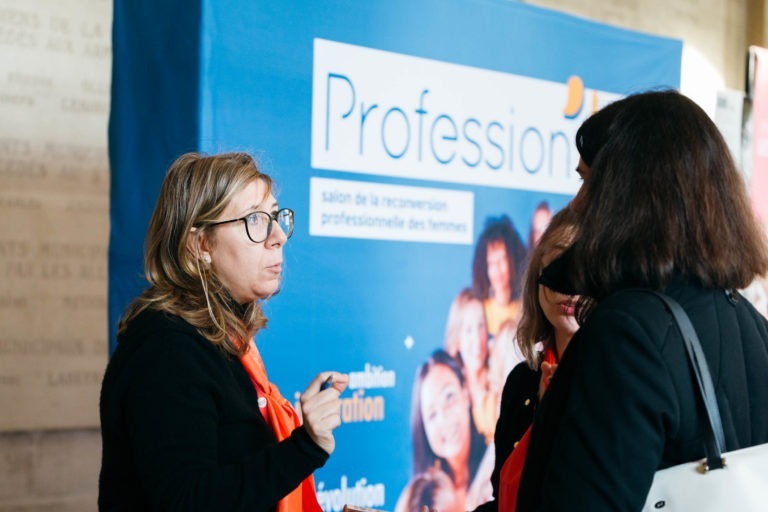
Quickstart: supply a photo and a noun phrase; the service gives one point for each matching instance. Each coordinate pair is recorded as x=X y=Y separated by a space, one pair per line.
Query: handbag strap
x=714 y=440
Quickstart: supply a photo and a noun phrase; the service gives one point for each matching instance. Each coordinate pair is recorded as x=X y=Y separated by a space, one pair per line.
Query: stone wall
x=55 y=63
x=714 y=35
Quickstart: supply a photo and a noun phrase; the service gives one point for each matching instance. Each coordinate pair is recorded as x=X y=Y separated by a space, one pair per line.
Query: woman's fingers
x=339 y=381
x=547 y=371
x=321 y=408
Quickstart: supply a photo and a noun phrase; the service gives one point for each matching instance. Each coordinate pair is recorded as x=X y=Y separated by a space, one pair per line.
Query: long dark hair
x=498 y=229
x=423 y=456
x=664 y=198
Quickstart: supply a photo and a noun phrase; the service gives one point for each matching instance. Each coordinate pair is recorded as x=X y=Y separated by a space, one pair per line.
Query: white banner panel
x=439 y=121
x=357 y=209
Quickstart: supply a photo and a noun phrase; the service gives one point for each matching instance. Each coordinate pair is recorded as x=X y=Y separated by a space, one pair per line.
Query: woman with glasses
x=189 y=419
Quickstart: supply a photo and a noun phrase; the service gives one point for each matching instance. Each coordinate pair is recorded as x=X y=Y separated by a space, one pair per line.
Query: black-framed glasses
x=258 y=225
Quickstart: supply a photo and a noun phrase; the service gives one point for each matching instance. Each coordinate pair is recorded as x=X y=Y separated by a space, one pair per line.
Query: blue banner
x=399 y=132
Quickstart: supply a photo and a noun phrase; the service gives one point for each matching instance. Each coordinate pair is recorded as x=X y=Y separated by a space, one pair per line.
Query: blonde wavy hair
x=534 y=326
x=456 y=319
x=195 y=191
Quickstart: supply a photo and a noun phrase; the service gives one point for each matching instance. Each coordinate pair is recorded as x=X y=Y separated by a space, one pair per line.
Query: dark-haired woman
x=444 y=435
x=496 y=268
x=662 y=207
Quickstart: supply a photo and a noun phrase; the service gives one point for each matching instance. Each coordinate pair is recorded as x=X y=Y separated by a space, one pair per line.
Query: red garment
x=283 y=420
x=512 y=470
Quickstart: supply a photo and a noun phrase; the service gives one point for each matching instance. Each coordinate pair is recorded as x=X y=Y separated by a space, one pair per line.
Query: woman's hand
x=481 y=488
x=321 y=410
x=547 y=371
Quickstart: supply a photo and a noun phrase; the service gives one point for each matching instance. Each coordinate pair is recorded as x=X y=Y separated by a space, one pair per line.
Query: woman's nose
x=277 y=236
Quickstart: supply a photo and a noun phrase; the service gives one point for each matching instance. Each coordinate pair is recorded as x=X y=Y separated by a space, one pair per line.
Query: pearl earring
x=207 y=259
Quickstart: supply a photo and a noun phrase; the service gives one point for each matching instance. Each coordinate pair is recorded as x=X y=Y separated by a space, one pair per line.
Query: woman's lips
x=567 y=308
x=451 y=436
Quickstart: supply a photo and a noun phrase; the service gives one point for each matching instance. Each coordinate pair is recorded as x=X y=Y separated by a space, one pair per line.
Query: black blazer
x=518 y=403
x=621 y=404
x=181 y=428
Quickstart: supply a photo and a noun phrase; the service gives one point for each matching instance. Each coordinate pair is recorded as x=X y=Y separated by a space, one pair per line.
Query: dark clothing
x=622 y=405
x=557 y=275
x=182 y=430
x=518 y=402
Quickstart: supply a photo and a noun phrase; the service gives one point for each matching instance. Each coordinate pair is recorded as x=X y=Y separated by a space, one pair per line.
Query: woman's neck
x=502 y=296
x=460 y=473
x=460 y=464
x=561 y=342
x=476 y=385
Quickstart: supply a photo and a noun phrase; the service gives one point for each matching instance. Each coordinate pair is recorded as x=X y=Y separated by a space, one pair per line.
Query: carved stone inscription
x=54 y=187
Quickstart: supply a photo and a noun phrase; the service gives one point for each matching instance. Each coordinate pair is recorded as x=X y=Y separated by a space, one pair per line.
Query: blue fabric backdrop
x=217 y=76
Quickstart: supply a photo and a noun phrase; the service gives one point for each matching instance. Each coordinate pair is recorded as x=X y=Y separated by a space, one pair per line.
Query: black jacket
x=181 y=428
x=621 y=404
x=518 y=403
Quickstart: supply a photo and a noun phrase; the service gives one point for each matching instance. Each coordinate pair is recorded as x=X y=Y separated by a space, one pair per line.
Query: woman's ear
x=197 y=245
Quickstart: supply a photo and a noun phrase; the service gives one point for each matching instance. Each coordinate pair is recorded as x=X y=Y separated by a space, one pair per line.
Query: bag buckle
x=704 y=468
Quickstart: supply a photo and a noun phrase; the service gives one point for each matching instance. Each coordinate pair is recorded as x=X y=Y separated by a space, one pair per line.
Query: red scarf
x=283 y=420
x=512 y=470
